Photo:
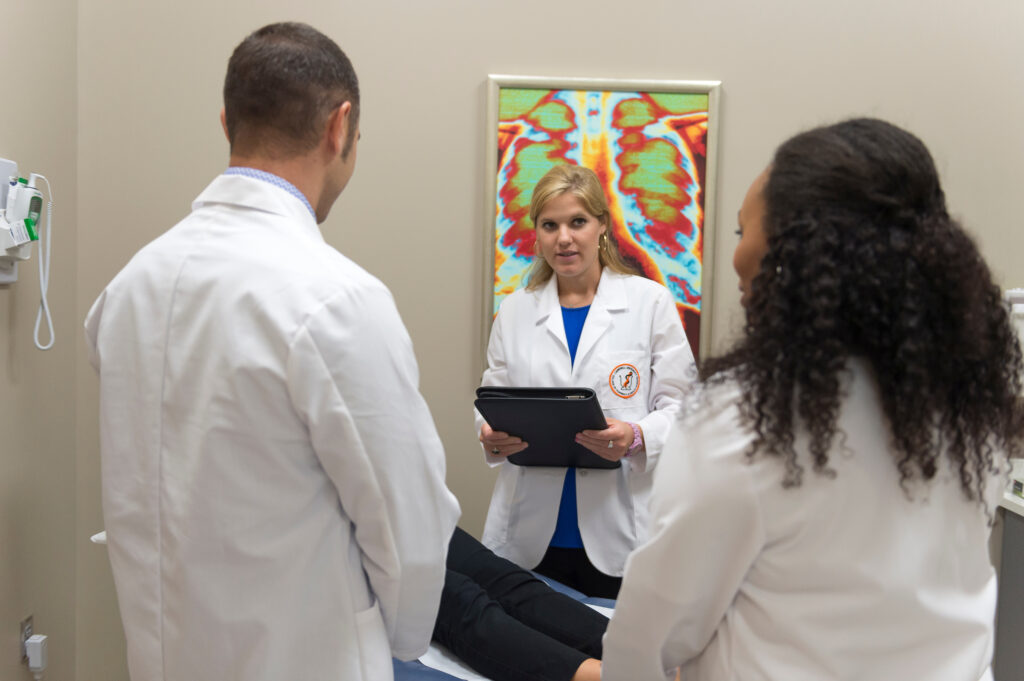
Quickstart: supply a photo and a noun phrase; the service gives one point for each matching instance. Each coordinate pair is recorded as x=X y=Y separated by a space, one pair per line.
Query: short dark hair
x=282 y=83
x=864 y=260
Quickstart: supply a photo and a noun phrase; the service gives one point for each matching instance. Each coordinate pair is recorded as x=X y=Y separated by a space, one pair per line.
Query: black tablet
x=548 y=419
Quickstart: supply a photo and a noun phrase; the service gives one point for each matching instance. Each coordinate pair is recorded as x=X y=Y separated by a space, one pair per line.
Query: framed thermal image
x=653 y=145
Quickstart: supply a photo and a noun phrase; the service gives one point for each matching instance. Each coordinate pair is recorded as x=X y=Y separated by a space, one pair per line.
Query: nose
x=564 y=234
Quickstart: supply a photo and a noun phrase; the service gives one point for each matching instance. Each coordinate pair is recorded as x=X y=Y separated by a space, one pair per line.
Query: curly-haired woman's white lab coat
x=632 y=321
x=273 y=485
x=850 y=576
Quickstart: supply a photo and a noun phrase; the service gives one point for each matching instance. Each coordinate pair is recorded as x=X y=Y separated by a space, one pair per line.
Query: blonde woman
x=583 y=320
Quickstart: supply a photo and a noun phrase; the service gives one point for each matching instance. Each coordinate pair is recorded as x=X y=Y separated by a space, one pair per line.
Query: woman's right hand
x=498 y=443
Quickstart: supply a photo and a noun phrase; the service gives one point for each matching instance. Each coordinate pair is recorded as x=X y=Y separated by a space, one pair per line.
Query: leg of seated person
x=474 y=627
x=526 y=598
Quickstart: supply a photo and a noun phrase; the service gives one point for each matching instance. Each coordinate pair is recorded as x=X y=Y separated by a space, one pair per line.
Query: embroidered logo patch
x=624 y=380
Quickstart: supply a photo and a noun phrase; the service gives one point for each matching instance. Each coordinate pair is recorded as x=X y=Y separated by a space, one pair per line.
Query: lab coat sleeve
x=706 y=533
x=354 y=380
x=673 y=375
x=496 y=374
x=92 y=330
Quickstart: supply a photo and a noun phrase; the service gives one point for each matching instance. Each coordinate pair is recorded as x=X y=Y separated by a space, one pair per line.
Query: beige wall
x=946 y=71
x=144 y=139
x=37 y=408
x=942 y=69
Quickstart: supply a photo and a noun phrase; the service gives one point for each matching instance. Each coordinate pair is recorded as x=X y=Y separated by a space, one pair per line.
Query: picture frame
x=653 y=145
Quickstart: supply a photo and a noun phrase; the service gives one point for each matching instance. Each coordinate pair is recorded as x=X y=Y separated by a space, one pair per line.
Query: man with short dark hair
x=273 y=482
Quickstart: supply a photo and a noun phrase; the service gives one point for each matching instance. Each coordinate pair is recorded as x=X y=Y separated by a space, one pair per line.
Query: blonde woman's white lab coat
x=632 y=321
x=842 y=578
x=273 y=485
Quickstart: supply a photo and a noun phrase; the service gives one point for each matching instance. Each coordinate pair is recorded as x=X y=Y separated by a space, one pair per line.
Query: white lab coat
x=273 y=484
x=839 y=578
x=632 y=320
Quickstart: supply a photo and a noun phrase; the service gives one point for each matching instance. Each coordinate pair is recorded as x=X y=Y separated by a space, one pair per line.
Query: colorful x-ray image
x=648 y=149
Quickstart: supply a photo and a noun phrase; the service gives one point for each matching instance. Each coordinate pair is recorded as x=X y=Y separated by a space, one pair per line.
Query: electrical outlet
x=26 y=634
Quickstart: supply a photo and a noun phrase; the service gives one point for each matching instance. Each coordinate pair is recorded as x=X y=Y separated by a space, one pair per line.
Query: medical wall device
x=21 y=205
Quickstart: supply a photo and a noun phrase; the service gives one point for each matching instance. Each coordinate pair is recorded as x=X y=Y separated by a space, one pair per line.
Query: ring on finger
x=610 y=444
x=495 y=450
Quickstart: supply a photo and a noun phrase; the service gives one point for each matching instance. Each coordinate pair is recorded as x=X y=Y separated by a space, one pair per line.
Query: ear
x=224 y=124
x=337 y=128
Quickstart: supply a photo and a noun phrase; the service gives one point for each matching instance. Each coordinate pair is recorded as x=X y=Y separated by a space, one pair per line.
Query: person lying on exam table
x=583 y=320
x=839 y=474
x=508 y=625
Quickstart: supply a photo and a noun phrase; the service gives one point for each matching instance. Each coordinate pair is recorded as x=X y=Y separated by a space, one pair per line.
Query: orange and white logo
x=624 y=380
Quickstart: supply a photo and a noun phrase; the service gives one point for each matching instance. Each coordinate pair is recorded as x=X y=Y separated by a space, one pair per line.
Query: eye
x=579 y=221
x=547 y=225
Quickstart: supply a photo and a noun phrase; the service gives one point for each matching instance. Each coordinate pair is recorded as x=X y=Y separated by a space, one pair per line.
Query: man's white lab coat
x=273 y=484
x=633 y=323
x=845 y=577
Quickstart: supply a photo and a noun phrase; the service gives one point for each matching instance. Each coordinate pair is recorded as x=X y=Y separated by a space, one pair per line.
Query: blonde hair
x=583 y=184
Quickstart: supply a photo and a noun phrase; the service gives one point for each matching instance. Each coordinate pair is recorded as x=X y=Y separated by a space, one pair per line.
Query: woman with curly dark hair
x=878 y=354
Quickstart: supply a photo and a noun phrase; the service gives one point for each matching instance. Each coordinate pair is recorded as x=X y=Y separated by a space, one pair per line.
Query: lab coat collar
x=610 y=295
x=609 y=298
x=250 y=193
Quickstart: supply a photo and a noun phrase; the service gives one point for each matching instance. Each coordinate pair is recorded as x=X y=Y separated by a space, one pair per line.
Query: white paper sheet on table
x=440 y=658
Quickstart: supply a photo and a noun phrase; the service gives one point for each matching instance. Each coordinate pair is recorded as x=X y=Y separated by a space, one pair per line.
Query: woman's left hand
x=612 y=443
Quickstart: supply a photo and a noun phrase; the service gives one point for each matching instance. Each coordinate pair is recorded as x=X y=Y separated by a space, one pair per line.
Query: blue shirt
x=274 y=180
x=567 y=527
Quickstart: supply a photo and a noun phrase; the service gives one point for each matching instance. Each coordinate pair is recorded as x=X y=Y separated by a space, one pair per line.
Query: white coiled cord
x=44 y=269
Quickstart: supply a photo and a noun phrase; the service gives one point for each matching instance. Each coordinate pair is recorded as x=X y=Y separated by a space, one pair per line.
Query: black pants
x=508 y=625
x=572 y=568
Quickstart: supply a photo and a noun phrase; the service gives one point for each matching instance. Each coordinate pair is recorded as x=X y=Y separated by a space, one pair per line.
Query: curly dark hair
x=864 y=260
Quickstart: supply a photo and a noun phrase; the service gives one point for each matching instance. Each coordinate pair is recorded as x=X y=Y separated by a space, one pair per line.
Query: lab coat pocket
x=623 y=379
x=511 y=477
x=374 y=650
x=500 y=514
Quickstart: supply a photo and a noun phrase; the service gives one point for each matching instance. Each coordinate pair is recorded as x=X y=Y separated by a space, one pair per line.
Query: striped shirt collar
x=274 y=180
